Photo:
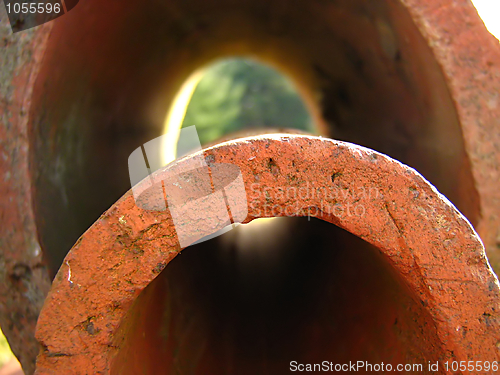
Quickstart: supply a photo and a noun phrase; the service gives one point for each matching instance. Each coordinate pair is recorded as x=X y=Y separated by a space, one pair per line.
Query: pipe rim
x=450 y=275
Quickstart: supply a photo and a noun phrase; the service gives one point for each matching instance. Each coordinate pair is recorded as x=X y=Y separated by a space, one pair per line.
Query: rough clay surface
x=24 y=281
x=428 y=242
x=470 y=59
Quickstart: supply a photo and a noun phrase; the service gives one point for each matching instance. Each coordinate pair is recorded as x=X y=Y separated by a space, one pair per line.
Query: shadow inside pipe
x=273 y=294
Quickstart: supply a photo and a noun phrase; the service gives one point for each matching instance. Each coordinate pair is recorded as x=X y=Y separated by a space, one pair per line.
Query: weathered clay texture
x=470 y=59
x=24 y=280
x=424 y=239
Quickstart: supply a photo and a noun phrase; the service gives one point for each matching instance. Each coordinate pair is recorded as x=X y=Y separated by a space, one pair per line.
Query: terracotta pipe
x=415 y=79
x=115 y=308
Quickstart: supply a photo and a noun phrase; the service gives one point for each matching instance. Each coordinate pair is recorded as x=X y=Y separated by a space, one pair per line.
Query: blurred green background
x=236 y=94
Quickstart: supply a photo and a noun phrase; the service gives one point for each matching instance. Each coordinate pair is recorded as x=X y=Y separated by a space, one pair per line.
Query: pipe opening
x=235 y=97
x=271 y=292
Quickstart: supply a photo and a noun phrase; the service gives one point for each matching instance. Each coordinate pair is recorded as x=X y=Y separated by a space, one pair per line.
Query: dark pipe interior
x=111 y=69
x=300 y=290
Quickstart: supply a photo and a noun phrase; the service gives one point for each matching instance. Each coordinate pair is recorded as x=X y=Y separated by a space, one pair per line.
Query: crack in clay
x=393 y=219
